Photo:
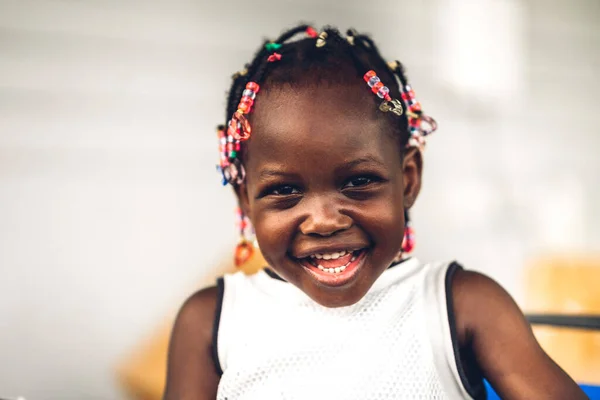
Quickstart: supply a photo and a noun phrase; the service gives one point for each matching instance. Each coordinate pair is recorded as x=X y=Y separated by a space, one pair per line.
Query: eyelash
x=272 y=191
x=350 y=184
x=280 y=187
x=370 y=179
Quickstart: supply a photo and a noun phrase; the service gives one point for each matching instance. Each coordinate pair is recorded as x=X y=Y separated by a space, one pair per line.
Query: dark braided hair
x=342 y=60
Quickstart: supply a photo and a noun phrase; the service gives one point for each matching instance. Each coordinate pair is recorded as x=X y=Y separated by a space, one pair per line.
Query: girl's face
x=326 y=189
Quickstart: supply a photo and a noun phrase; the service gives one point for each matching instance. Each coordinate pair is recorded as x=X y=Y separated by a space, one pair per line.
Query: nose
x=324 y=219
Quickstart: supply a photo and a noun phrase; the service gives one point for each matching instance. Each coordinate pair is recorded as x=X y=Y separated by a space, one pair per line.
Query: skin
x=337 y=180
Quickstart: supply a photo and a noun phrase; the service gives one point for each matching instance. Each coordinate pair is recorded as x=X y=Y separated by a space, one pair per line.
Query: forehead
x=328 y=120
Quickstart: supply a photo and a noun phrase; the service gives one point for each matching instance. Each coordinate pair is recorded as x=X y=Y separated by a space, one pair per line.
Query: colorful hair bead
x=377 y=86
x=271 y=46
x=350 y=34
x=238 y=74
x=239 y=127
x=383 y=92
x=420 y=124
x=274 y=57
x=311 y=32
x=322 y=39
x=244 y=248
x=408 y=241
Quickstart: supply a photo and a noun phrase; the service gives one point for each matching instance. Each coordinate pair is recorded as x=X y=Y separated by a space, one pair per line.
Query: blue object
x=593 y=392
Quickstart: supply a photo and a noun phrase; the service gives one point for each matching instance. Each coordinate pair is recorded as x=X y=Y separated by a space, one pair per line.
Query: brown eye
x=284 y=190
x=358 y=182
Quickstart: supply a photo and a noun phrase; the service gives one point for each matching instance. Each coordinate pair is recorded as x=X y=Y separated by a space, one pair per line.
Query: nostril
x=316 y=234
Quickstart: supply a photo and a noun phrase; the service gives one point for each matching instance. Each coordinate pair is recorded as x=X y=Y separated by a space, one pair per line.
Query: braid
x=291 y=33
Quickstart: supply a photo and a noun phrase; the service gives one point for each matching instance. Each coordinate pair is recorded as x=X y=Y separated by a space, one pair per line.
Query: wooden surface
x=142 y=374
x=567 y=285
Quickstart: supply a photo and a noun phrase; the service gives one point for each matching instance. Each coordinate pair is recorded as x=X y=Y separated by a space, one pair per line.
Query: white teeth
x=353 y=258
x=335 y=270
x=330 y=256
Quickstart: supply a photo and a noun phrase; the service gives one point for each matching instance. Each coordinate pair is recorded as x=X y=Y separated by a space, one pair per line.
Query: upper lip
x=328 y=249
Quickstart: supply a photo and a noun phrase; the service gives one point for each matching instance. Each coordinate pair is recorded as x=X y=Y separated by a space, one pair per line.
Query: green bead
x=233 y=154
x=272 y=46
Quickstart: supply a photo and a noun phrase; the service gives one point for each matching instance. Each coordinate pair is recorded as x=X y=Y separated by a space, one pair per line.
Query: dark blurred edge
x=591 y=322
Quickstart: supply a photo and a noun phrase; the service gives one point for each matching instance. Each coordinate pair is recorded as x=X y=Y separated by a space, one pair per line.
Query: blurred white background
x=110 y=207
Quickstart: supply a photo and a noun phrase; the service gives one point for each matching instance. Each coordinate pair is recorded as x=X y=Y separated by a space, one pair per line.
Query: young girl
x=323 y=146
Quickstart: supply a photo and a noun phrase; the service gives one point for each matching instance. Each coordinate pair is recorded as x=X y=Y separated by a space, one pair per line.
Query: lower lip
x=340 y=278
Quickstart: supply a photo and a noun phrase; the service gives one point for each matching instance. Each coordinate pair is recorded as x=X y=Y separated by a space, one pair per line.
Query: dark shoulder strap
x=468 y=370
x=215 y=332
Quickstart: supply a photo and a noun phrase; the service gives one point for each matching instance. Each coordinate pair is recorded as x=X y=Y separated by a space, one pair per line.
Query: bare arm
x=506 y=350
x=191 y=373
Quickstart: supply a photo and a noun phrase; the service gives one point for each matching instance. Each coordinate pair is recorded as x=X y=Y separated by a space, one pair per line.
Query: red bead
x=416 y=107
x=237 y=146
x=244 y=107
x=232 y=129
x=310 y=31
x=408 y=242
x=274 y=57
x=376 y=87
x=247 y=101
x=245 y=131
x=243 y=252
x=253 y=86
x=414 y=122
x=411 y=94
x=387 y=97
x=369 y=75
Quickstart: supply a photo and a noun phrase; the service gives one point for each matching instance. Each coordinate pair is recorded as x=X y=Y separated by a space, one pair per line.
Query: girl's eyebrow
x=362 y=160
x=270 y=173
x=274 y=173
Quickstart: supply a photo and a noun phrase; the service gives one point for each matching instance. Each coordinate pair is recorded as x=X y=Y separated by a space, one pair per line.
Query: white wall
x=110 y=209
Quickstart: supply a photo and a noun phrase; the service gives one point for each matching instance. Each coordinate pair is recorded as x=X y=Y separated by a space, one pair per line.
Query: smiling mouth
x=334 y=269
x=333 y=263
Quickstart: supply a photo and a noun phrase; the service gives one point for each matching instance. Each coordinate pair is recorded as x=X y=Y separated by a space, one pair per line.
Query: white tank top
x=397 y=342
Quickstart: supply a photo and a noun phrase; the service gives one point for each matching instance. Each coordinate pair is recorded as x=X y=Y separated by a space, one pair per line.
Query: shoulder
x=198 y=311
x=491 y=325
x=471 y=286
x=191 y=366
x=479 y=301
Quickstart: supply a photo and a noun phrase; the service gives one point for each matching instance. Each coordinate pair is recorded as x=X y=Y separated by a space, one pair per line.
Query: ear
x=412 y=167
x=241 y=192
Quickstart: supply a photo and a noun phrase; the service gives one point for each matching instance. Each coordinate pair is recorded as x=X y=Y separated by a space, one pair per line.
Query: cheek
x=384 y=218
x=273 y=233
